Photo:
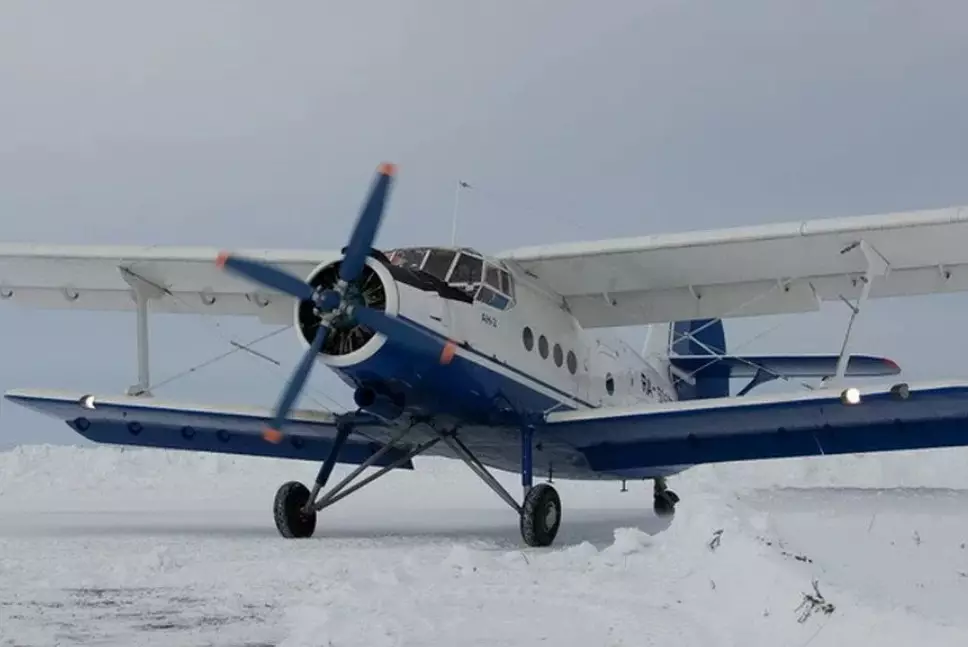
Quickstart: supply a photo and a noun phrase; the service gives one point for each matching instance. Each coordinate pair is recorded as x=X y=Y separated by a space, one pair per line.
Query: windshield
x=465 y=269
x=438 y=262
x=412 y=257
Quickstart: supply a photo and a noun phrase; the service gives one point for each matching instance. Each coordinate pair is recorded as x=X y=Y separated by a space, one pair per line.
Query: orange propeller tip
x=221 y=259
x=274 y=436
x=448 y=352
x=388 y=168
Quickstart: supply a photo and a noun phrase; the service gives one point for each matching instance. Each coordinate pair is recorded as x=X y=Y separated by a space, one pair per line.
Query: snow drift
x=134 y=547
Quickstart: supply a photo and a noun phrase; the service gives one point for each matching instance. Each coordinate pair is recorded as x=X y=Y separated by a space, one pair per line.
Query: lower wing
x=148 y=422
x=630 y=440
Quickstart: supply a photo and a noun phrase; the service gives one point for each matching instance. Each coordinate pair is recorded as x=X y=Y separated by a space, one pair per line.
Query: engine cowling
x=348 y=342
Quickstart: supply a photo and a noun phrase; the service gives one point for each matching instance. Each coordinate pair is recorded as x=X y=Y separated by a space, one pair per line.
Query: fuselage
x=517 y=353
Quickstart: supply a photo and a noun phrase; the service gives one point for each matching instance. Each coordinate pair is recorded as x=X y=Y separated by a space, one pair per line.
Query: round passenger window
x=609 y=384
x=543 y=346
x=528 y=338
x=572 y=363
x=559 y=358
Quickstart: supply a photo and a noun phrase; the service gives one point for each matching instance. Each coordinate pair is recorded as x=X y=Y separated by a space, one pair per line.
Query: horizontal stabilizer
x=148 y=422
x=782 y=365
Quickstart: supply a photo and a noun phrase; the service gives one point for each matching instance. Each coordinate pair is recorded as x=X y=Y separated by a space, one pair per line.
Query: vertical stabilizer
x=702 y=337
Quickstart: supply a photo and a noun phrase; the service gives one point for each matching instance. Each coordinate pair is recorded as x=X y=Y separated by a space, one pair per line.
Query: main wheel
x=291 y=520
x=540 y=515
x=664 y=503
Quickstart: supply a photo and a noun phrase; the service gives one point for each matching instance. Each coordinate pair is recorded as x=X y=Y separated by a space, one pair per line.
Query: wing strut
x=144 y=290
x=877 y=265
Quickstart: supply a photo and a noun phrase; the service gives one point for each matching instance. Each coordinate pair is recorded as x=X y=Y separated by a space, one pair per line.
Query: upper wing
x=149 y=422
x=770 y=269
x=97 y=278
x=630 y=440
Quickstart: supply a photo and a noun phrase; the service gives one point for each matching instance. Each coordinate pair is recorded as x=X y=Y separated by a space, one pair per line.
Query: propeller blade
x=267 y=275
x=273 y=433
x=404 y=333
x=361 y=240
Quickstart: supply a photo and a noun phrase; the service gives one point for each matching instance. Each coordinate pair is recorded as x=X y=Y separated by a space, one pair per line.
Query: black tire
x=540 y=515
x=291 y=521
x=664 y=503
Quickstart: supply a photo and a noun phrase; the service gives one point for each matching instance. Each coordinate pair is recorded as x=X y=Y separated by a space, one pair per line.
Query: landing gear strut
x=664 y=500
x=296 y=506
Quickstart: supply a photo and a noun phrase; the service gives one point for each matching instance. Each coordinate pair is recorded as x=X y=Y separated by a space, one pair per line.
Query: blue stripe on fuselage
x=472 y=389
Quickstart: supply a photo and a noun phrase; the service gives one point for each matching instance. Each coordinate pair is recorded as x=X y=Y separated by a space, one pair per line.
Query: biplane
x=506 y=361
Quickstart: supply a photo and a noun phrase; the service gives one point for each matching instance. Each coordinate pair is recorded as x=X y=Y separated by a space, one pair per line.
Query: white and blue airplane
x=500 y=361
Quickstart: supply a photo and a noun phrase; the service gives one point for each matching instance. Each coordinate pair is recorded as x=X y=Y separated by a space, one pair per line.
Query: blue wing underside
x=126 y=421
x=643 y=442
x=630 y=444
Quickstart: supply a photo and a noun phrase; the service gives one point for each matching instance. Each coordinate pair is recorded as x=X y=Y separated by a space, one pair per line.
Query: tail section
x=704 y=338
x=698 y=348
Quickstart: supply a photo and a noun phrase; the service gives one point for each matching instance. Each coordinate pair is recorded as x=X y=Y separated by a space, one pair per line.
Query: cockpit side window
x=492 y=298
x=438 y=262
x=467 y=270
x=497 y=290
x=507 y=284
x=492 y=276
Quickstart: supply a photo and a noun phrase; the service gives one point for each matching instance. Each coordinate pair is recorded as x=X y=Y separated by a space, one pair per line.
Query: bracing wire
x=719 y=353
x=217 y=358
x=236 y=346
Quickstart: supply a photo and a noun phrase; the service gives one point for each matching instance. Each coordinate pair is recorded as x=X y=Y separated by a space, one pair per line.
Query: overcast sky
x=252 y=124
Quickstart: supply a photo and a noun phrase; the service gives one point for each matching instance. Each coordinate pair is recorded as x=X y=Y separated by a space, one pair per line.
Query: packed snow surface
x=100 y=546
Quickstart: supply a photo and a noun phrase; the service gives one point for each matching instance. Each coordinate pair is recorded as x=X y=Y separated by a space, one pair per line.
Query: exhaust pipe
x=379 y=404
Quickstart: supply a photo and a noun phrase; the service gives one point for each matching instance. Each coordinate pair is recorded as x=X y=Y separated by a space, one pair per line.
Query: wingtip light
x=221 y=259
x=850 y=395
x=388 y=168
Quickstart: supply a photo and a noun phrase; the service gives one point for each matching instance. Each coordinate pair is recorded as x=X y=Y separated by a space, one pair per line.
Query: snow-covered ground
x=100 y=546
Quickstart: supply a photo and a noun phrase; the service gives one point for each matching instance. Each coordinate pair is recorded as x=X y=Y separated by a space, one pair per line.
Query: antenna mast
x=461 y=184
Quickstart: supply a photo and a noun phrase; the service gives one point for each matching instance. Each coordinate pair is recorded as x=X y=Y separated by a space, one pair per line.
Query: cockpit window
x=492 y=298
x=412 y=257
x=438 y=262
x=492 y=277
x=467 y=271
x=506 y=286
x=497 y=290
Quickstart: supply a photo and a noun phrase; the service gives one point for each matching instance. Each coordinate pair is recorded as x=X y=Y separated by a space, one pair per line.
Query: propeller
x=330 y=304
